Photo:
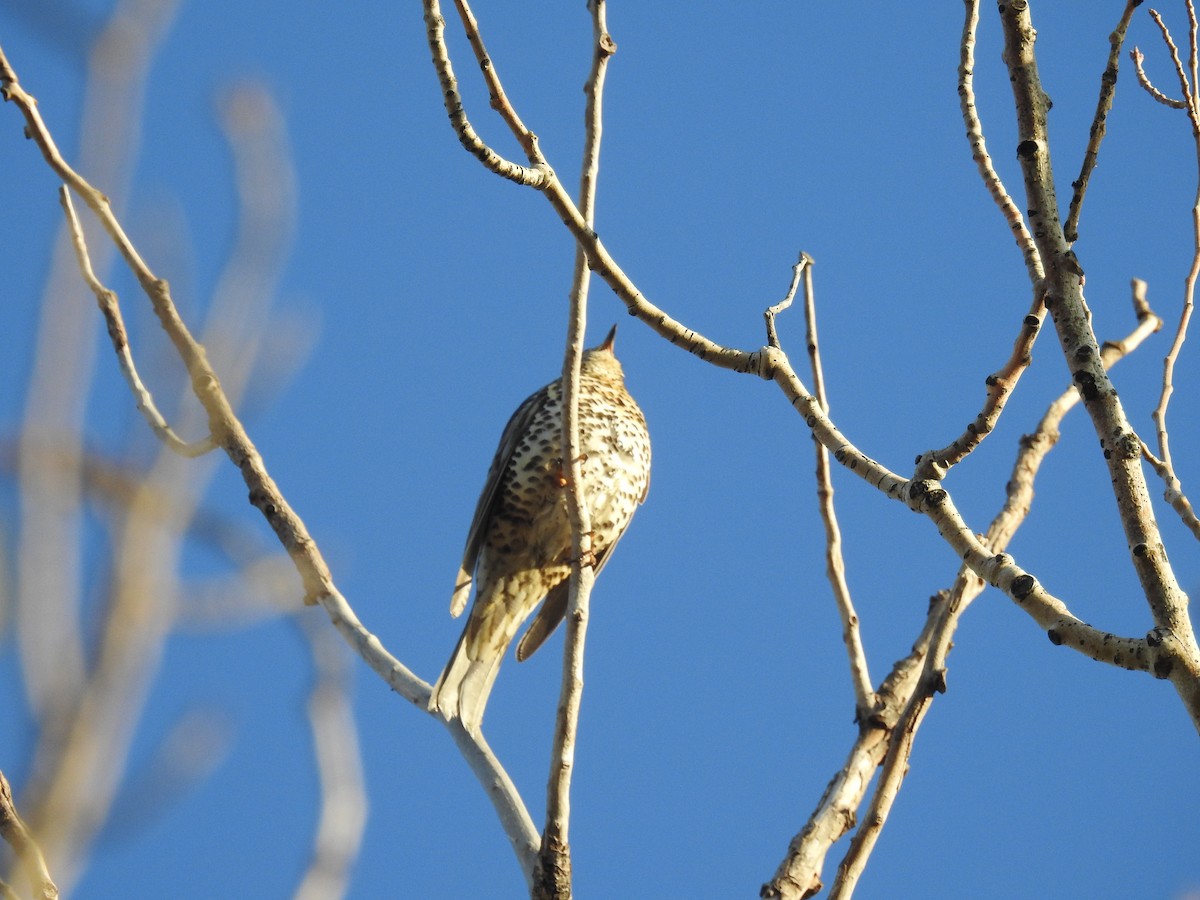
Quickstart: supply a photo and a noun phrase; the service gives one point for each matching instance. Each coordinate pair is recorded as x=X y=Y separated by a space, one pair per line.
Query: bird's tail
x=463 y=688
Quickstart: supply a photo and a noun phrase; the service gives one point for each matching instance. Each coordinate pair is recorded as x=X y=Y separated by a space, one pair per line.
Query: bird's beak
x=609 y=341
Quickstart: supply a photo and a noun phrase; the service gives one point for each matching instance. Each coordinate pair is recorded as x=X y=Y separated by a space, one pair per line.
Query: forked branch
x=885 y=739
x=1180 y=662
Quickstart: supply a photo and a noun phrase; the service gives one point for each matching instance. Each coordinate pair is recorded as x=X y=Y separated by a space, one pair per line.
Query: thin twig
x=1000 y=385
x=1173 y=492
x=979 y=152
x=111 y=310
x=1144 y=80
x=1185 y=85
x=1192 y=54
x=554 y=864
x=835 y=564
x=339 y=765
x=18 y=836
x=1172 y=488
x=1163 y=463
x=435 y=28
x=1108 y=86
x=772 y=311
x=499 y=100
x=506 y=799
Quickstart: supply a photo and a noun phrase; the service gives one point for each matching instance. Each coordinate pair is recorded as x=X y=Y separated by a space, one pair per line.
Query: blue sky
x=431 y=297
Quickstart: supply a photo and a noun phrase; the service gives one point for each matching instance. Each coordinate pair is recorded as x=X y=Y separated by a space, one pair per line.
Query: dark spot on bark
x=1023 y=586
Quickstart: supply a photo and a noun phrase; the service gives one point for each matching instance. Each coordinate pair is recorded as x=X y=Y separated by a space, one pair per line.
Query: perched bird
x=518 y=551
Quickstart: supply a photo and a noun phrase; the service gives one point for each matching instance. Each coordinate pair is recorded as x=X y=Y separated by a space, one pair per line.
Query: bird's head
x=600 y=361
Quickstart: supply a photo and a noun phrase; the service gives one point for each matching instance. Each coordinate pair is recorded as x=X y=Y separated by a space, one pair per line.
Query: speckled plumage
x=518 y=549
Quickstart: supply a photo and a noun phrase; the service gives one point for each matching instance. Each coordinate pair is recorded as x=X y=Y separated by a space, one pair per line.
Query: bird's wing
x=554 y=608
x=509 y=440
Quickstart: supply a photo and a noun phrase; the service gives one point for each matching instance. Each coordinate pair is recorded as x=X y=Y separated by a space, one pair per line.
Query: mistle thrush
x=518 y=551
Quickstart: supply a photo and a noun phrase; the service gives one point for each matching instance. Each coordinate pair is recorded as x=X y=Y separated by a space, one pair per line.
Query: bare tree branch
x=224 y=423
x=1144 y=80
x=1000 y=384
x=1163 y=463
x=979 y=152
x=1180 y=661
x=835 y=566
x=49 y=560
x=17 y=835
x=506 y=800
x=435 y=26
x=885 y=738
x=771 y=312
x=111 y=310
x=343 y=797
x=553 y=880
x=1108 y=86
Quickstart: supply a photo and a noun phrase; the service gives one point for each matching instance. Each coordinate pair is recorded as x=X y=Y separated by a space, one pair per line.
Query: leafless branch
x=224 y=423
x=111 y=310
x=435 y=26
x=835 y=566
x=771 y=312
x=343 y=797
x=1144 y=80
x=979 y=152
x=1122 y=447
x=18 y=836
x=1186 y=86
x=230 y=434
x=1000 y=384
x=506 y=800
x=1108 y=85
x=49 y=563
x=885 y=738
x=554 y=865
x=1163 y=463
